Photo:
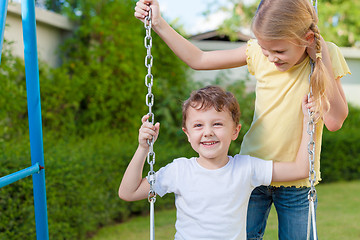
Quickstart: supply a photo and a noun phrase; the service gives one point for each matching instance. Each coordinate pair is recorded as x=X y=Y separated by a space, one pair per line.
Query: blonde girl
x=286 y=38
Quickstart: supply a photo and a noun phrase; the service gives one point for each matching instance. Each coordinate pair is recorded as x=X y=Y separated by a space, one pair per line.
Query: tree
x=338 y=19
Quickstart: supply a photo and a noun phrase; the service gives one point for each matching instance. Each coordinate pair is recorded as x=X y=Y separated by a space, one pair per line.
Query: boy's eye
x=197 y=125
x=280 y=52
x=218 y=124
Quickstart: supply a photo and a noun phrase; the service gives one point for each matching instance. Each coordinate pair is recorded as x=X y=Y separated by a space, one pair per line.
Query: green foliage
x=340 y=156
x=13 y=113
x=339 y=21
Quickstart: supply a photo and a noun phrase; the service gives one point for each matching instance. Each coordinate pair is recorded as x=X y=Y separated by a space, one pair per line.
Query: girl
x=286 y=38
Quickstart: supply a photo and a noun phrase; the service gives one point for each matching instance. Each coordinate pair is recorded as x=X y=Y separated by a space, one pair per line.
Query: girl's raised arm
x=184 y=49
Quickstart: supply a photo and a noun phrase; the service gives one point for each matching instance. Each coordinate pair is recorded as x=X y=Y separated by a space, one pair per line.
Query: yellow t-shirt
x=275 y=133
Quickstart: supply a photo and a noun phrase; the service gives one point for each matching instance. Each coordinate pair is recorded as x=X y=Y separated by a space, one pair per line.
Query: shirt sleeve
x=262 y=172
x=339 y=64
x=166 y=179
x=250 y=51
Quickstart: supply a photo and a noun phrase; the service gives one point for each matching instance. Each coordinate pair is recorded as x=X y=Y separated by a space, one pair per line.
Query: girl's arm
x=184 y=49
x=133 y=186
x=291 y=171
x=335 y=117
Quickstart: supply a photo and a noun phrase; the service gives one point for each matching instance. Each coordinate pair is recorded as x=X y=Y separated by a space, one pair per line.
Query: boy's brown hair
x=212 y=96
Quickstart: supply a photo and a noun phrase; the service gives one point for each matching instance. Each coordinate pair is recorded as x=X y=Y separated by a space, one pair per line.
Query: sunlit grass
x=338 y=218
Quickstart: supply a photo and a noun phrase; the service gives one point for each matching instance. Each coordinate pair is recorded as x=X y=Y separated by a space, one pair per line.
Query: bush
x=340 y=156
x=82 y=179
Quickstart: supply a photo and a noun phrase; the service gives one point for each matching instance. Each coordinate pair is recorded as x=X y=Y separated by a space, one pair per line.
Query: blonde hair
x=292 y=20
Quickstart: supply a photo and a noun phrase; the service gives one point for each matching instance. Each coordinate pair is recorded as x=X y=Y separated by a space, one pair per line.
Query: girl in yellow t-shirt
x=287 y=37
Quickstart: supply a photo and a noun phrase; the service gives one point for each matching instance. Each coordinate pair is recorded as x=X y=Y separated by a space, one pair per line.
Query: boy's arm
x=184 y=49
x=299 y=169
x=133 y=186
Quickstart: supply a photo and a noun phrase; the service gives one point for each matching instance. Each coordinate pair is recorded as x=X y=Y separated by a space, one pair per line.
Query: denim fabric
x=292 y=206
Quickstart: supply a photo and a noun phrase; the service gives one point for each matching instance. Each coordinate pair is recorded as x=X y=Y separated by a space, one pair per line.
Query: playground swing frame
x=34 y=114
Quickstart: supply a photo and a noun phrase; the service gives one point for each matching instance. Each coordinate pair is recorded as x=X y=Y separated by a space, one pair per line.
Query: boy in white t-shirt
x=212 y=190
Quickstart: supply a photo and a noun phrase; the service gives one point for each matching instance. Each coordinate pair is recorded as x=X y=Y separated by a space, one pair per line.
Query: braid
x=314 y=28
x=320 y=78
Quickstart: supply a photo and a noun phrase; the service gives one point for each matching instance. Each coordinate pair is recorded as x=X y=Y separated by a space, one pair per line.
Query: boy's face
x=210 y=134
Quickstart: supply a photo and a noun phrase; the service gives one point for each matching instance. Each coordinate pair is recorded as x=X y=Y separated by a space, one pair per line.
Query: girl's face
x=283 y=53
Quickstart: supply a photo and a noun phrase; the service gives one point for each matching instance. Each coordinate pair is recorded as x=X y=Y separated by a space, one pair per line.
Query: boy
x=212 y=190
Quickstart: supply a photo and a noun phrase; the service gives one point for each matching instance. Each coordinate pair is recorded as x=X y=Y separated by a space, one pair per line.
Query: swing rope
x=311 y=150
x=150 y=102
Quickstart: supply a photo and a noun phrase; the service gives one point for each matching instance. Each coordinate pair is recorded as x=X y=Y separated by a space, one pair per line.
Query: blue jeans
x=292 y=206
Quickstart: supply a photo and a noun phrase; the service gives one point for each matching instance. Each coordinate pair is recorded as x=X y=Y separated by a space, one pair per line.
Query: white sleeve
x=166 y=179
x=262 y=172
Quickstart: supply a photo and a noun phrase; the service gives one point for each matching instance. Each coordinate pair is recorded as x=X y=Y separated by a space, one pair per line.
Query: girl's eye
x=280 y=52
x=218 y=124
x=197 y=125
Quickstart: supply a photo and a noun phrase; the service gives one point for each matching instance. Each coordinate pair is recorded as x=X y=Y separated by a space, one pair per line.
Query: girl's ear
x=310 y=37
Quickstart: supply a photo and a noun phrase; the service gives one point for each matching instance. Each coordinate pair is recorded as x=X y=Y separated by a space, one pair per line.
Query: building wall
x=350 y=82
x=51 y=29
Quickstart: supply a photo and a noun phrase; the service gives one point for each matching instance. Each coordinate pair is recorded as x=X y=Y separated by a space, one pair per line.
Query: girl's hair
x=212 y=96
x=292 y=20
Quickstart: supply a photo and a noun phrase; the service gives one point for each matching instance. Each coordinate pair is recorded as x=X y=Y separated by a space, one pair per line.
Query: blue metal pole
x=3 y=11
x=6 y=180
x=34 y=113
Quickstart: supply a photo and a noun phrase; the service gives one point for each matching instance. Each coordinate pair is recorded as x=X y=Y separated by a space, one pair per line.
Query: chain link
x=311 y=145
x=149 y=80
x=312 y=173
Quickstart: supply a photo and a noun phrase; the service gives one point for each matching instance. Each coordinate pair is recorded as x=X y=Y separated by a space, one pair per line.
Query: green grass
x=338 y=218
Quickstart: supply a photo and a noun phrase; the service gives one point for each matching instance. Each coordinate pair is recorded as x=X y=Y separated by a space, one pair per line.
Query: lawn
x=338 y=218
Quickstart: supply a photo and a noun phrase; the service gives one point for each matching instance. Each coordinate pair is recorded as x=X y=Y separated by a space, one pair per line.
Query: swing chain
x=149 y=80
x=312 y=173
x=311 y=145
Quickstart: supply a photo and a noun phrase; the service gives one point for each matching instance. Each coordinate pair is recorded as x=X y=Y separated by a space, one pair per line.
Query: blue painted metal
x=34 y=113
x=6 y=180
x=3 y=11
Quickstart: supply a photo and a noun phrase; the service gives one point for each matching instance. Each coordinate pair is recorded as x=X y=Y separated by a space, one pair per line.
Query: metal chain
x=312 y=173
x=312 y=153
x=149 y=80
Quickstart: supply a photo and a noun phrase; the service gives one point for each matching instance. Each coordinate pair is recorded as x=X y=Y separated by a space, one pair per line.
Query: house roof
x=216 y=36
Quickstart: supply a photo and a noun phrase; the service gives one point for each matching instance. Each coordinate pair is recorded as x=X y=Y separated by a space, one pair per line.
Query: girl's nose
x=273 y=58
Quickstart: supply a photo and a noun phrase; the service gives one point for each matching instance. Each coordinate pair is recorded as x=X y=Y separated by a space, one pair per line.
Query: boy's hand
x=142 y=10
x=147 y=132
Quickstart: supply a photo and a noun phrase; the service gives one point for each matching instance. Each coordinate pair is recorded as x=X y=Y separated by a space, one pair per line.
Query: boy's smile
x=210 y=133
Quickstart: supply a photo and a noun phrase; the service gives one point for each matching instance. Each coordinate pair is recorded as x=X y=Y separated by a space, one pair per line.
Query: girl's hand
x=142 y=10
x=308 y=104
x=147 y=132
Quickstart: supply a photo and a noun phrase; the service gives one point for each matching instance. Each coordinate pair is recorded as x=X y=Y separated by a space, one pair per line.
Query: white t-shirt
x=212 y=204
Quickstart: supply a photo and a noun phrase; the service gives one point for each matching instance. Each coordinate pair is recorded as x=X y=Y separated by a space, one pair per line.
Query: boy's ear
x=236 y=132
x=186 y=132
